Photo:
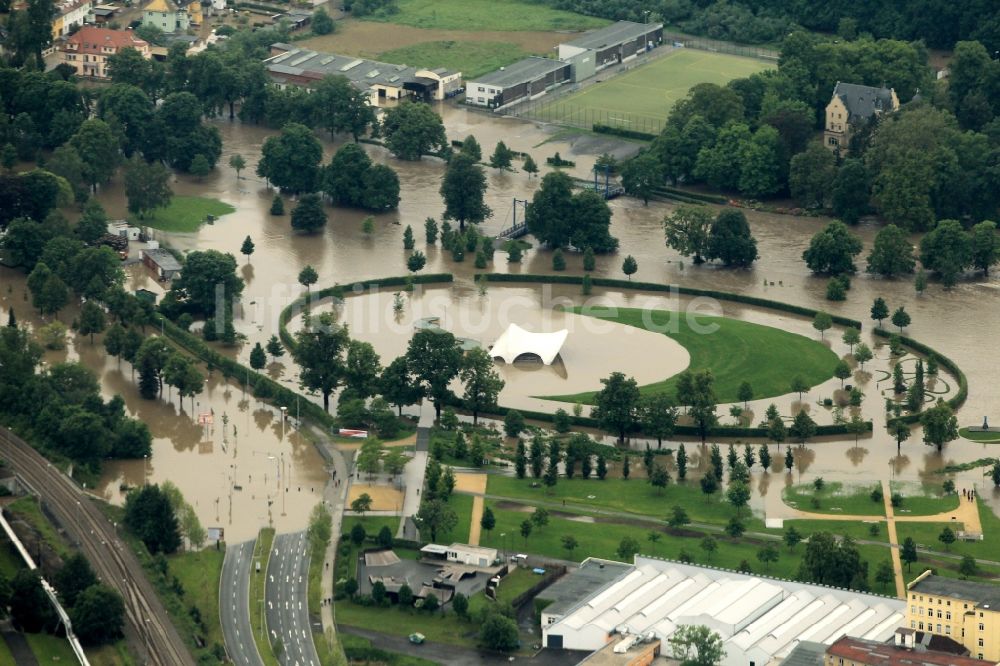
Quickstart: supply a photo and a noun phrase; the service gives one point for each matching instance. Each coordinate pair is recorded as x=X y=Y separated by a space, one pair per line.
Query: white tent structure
x=516 y=342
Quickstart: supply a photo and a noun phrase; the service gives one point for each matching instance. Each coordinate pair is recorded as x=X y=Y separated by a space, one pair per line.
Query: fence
x=716 y=46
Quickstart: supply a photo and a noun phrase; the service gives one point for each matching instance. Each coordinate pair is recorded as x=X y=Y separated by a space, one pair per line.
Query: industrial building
x=961 y=610
x=382 y=82
x=476 y=556
x=610 y=45
x=758 y=618
x=525 y=79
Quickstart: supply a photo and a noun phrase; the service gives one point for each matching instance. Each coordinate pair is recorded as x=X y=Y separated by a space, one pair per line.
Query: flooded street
x=208 y=463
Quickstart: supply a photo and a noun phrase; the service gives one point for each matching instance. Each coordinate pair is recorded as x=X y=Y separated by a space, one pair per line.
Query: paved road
x=286 y=602
x=148 y=627
x=234 y=605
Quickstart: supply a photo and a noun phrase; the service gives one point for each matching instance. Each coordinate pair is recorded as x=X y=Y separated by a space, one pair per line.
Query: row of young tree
x=929 y=161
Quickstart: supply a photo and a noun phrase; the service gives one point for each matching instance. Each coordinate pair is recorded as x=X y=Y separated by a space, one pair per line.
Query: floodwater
x=956 y=322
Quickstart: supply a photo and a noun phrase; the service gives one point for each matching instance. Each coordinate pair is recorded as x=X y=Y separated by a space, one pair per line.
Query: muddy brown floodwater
x=958 y=323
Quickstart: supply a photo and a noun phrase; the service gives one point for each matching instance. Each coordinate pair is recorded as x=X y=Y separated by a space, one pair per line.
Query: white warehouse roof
x=516 y=341
x=758 y=618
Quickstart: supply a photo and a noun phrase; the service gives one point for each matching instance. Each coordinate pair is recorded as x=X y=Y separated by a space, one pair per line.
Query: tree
x=995 y=474
x=687 y=231
x=559 y=217
x=150 y=516
x=526 y=527
x=488 y=521
x=617 y=403
x=540 y=517
x=947 y=537
x=436 y=516
x=884 y=574
x=862 y=354
x=53 y=295
x=93 y=223
x=91 y=320
x=30 y=608
x=247 y=248
x=361 y=370
x=947 y=251
x=892 y=253
x=696 y=645
x=290 y=161
x=318 y=351
x=97 y=147
x=791 y=537
x=459 y=604
x=908 y=552
x=730 y=240
x=434 y=358
x=463 y=189
x=206 y=275
x=768 y=555
x=416 y=261
x=678 y=517
x=641 y=175
x=502 y=156
x=659 y=478
x=513 y=423
x=258 y=359
x=842 y=372
x=811 y=175
x=199 y=167
x=803 y=427
x=832 y=250
x=277 y=205
x=308 y=277
x=308 y=215
x=852 y=336
x=682 y=461
x=900 y=318
x=984 y=245
x=738 y=495
x=627 y=548
x=73 y=578
x=322 y=24
x=470 y=147
x=362 y=504
x=412 y=129
x=237 y=164
x=499 y=633
x=940 y=425
x=968 y=567
x=822 y=323
x=850 y=195
x=629 y=266
x=828 y=561
x=879 y=310
x=528 y=166
x=98 y=616
x=658 y=416
x=358 y=534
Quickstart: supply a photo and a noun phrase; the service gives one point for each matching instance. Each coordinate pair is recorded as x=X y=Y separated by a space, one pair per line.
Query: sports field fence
x=549 y=109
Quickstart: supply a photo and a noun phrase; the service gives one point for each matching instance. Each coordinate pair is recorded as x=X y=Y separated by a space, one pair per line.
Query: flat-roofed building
x=962 y=610
x=525 y=79
x=612 y=44
x=383 y=82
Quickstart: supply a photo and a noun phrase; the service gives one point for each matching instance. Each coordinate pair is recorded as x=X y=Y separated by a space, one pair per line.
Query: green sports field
x=645 y=95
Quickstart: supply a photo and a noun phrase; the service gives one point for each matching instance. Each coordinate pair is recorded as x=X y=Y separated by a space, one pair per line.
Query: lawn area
x=926 y=536
x=49 y=649
x=923 y=500
x=737 y=351
x=185 y=214
x=361 y=650
x=28 y=510
x=262 y=550
x=471 y=58
x=5 y=656
x=856 y=530
x=438 y=627
x=462 y=504
x=835 y=498
x=10 y=560
x=989 y=437
x=634 y=496
x=650 y=91
x=507 y=15
x=199 y=573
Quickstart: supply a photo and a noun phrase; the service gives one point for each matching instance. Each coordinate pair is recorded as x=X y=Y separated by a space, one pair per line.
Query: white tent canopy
x=516 y=341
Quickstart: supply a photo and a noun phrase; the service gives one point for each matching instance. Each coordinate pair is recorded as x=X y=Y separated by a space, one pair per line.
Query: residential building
x=69 y=15
x=903 y=651
x=959 y=609
x=172 y=16
x=759 y=619
x=611 y=45
x=525 y=79
x=383 y=82
x=89 y=48
x=850 y=108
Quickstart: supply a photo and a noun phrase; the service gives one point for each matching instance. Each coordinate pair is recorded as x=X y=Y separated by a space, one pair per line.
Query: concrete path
x=897 y=563
x=967 y=513
x=335 y=497
x=234 y=605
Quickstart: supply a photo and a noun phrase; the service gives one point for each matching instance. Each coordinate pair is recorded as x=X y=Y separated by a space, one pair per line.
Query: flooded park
x=242 y=468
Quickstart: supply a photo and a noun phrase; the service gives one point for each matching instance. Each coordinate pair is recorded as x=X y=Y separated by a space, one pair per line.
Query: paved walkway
x=335 y=497
x=967 y=513
x=475 y=485
x=897 y=563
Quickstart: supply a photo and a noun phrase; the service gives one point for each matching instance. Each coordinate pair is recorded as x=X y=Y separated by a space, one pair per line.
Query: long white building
x=758 y=618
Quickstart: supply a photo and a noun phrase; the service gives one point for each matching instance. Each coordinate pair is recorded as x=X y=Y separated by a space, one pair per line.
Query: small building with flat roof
x=613 y=44
x=564 y=594
x=160 y=261
x=525 y=79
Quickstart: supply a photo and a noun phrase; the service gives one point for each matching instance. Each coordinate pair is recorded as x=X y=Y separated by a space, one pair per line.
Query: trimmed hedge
x=943 y=361
x=621 y=131
x=337 y=290
x=689 y=291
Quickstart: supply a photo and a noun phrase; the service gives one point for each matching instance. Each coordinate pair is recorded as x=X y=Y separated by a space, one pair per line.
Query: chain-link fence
x=716 y=46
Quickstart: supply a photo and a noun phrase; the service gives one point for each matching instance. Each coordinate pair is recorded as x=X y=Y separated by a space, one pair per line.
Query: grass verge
x=262 y=551
x=471 y=58
x=735 y=352
x=834 y=499
x=506 y=15
x=990 y=437
x=359 y=649
x=28 y=510
x=186 y=214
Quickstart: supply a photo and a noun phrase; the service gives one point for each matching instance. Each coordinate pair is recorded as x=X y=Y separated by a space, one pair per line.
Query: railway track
x=148 y=625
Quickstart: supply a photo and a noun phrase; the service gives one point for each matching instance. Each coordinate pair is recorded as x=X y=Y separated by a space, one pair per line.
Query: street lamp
x=284 y=412
x=145 y=469
x=503 y=543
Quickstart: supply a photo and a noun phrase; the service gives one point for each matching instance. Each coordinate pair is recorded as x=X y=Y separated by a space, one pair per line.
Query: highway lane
x=148 y=626
x=286 y=602
x=234 y=605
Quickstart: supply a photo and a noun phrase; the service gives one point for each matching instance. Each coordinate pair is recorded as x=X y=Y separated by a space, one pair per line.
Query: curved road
x=234 y=605
x=148 y=625
x=286 y=601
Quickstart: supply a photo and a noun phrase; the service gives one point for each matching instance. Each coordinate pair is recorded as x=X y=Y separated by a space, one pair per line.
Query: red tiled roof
x=91 y=39
x=872 y=653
